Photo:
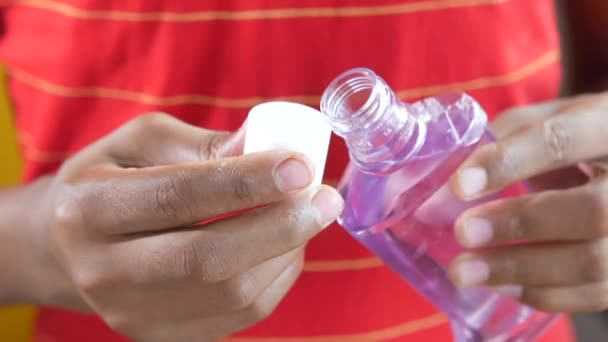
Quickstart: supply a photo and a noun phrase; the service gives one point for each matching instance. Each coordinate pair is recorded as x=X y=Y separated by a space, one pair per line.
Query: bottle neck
x=379 y=130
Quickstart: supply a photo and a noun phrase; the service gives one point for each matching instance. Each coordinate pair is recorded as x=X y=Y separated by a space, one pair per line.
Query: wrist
x=12 y=245
x=22 y=253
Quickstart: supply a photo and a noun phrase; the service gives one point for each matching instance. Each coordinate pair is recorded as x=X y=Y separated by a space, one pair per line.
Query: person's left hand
x=549 y=248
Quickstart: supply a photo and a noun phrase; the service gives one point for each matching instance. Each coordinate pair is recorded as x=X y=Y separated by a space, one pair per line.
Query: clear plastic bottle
x=398 y=203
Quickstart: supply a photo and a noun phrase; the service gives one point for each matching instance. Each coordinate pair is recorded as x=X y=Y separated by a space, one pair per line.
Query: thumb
x=159 y=139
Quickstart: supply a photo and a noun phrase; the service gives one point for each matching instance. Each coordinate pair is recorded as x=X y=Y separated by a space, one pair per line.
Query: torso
x=80 y=68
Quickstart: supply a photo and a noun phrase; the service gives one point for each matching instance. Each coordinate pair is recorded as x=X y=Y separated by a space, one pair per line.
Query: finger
x=149 y=199
x=557 y=142
x=564 y=215
x=268 y=301
x=227 y=248
x=228 y=324
x=192 y=299
x=534 y=265
x=516 y=119
x=159 y=139
x=240 y=292
x=581 y=298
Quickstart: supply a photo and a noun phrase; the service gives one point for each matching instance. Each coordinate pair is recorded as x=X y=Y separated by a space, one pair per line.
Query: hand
x=117 y=231
x=549 y=248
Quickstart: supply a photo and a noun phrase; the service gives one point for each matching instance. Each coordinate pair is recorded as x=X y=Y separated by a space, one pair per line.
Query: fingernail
x=472 y=180
x=293 y=174
x=476 y=232
x=329 y=204
x=513 y=291
x=472 y=272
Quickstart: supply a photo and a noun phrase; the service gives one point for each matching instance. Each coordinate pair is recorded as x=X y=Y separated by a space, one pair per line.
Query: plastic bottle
x=398 y=203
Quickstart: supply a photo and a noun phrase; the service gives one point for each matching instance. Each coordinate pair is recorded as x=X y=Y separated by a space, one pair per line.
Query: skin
x=140 y=261
x=138 y=258
x=548 y=248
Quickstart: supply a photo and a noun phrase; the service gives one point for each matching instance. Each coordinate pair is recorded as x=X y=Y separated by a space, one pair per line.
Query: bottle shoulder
x=373 y=198
x=452 y=121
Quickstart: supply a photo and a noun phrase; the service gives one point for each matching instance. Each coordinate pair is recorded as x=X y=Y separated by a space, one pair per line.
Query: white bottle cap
x=290 y=126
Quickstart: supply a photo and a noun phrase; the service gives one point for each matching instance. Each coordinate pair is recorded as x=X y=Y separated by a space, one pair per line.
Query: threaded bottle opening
x=377 y=128
x=354 y=99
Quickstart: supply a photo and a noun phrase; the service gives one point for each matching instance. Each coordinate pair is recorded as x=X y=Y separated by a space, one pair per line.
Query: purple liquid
x=406 y=215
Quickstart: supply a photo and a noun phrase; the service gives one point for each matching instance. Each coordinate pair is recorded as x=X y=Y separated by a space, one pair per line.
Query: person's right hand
x=117 y=233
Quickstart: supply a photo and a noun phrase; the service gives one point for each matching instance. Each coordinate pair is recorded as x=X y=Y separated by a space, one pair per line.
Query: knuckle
x=517 y=270
x=259 y=311
x=148 y=124
x=507 y=160
x=557 y=140
x=212 y=264
x=67 y=211
x=121 y=323
x=509 y=270
x=241 y=184
x=209 y=145
x=165 y=196
x=516 y=228
x=239 y=293
x=205 y=262
x=171 y=196
x=191 y=261
x=518 y=225
x=91 y=281
x=298 y=224
x=150 y=120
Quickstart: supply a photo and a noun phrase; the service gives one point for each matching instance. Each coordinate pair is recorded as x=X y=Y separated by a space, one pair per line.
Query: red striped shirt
x=79 y=69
